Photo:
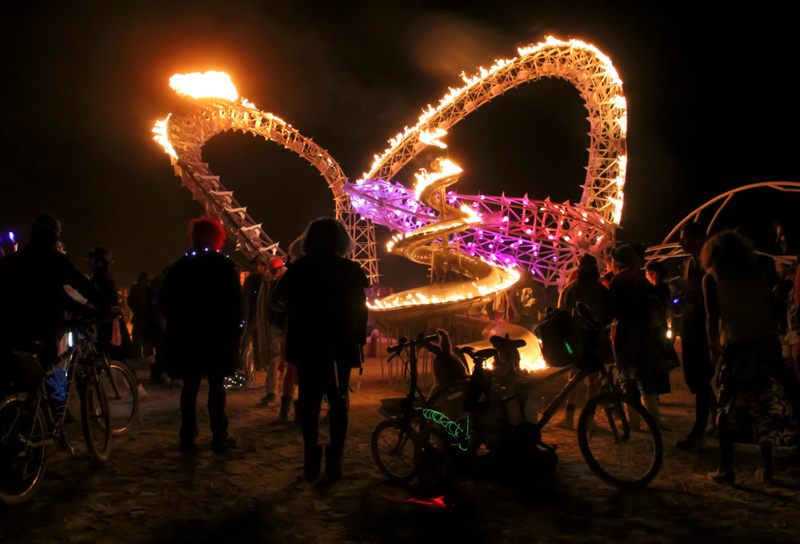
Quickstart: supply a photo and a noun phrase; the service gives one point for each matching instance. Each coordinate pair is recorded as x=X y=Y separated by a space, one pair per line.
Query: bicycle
x=122 y=389
x=616 y=453
x=395 y=441
x=32 y=422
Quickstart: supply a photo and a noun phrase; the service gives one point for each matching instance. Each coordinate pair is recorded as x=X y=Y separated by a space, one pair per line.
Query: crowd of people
x=304 y=321
x=730 y=309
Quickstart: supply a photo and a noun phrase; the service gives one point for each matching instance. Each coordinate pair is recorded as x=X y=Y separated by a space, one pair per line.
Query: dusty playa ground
x=149 y=492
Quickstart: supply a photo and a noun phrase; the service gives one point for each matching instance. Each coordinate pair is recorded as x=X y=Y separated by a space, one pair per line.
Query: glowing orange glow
x=160 y=131
x=208 y=85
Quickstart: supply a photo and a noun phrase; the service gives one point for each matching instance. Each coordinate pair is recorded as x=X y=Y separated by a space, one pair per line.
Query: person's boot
x=221 y=445
x=333 y=464
x=268 y=398
x=650 y=402
x=724 y=475
x=297 y=421
x=569 y=418
x=286 y=403
x=312 y=462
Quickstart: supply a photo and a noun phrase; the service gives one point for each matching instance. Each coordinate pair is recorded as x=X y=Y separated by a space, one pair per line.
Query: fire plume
x=208 y=85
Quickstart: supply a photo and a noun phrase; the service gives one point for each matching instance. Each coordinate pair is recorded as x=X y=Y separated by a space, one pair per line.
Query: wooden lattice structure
x=543 y=237
x=187 y=131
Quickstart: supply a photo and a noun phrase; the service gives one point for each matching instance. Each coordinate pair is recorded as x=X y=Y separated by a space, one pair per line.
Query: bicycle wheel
x=123 y=400
x=22 y=467
x=625 y=460
x=394 y=450
x=95 y=418
x=488 y=431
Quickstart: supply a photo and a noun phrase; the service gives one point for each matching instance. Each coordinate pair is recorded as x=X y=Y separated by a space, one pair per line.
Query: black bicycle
x=34 y=421
x=619 y=455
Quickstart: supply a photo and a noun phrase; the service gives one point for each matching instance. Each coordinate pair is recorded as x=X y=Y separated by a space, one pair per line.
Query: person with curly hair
x=323 y=294
x=753 y=406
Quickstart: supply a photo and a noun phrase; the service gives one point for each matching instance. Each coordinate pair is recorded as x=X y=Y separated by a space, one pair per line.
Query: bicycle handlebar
x=404 y=343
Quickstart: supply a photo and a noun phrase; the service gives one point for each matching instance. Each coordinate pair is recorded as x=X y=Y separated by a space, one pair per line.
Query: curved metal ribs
x=190 y=129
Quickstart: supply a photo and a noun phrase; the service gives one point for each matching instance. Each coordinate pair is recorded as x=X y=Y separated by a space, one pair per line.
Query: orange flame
x=208 y=85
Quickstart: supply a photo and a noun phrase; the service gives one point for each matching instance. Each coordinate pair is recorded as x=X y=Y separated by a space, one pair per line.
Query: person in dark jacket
x=202 y=304
x=636 y=342
x=32 y=282
x=690 y=312
x=323 y=295
x=137 y=302
x=99 y=261
x=657 y=276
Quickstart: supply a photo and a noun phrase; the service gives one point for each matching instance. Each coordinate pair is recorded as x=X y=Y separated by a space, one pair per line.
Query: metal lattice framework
x=544 y=237
x=670 y=248
x=185 y=134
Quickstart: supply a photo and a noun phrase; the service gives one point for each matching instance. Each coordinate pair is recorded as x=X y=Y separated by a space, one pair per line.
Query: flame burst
x=208 y=85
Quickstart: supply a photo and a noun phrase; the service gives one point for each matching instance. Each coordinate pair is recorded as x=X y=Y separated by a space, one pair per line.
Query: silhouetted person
x=32 y=292
x=137 y=302
x=157 y=328
x=657 y=275
x=99 y=261
x=202 y=304
x=753 y=406
x=588 y=289
x=788 y=231
x=255 y=339
x=323 y=293
x=690 y=314
x=274 y=334
x=636 y=342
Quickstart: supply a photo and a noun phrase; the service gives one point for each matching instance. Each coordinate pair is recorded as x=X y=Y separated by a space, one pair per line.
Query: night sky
x=711 y=107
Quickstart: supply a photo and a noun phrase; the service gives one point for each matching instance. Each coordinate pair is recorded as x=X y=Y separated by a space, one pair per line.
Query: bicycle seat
x=506 y=344
x=479 y=354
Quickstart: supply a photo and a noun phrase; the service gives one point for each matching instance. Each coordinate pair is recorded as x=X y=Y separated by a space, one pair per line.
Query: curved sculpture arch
x=585 y=67
x=669 y=248
x=184 y=134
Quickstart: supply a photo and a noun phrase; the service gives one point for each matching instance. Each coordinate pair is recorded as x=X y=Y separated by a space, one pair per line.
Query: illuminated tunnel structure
x=484 y=240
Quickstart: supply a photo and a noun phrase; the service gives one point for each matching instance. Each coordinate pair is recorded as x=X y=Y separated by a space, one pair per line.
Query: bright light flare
x=432 y=137
x=160 y=131
x=448 y=168
x=208 y=85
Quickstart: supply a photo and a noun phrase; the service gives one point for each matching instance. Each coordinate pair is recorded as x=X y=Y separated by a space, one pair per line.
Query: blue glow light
x=59 y=384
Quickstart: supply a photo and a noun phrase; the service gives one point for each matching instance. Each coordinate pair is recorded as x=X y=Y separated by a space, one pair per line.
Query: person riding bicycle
x=32 y=288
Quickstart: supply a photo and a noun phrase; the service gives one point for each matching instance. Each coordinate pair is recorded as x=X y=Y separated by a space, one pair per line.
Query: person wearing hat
x=99 y=261
x=637 y=342
x=32 y=282
x=588 y=289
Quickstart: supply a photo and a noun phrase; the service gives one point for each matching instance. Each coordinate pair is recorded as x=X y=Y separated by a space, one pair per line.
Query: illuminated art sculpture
x=213 y=106
x=543 y=237
x=481 y=241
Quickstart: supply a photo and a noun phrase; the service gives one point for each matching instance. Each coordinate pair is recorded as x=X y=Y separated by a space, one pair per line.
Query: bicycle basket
x=558 y=339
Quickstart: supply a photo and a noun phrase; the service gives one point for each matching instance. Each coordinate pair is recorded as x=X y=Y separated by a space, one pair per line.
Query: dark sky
x=710 y=102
